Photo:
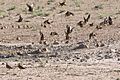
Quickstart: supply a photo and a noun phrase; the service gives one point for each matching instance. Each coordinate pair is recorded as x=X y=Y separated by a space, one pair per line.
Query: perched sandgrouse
x=20 y=18
x=30 y=7
x=8 y=66
x=62 y=3
x=20 y=66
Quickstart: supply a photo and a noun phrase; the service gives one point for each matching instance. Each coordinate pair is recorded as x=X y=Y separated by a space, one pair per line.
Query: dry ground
x=61 y=61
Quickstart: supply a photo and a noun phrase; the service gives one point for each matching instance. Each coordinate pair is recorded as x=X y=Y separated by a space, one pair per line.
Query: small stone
x=18 y=38
x=18 y=26
x=2 y=28
x=55 y=43
x=44 y=50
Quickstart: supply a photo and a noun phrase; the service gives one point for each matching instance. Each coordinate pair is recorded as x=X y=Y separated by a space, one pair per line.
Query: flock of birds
x=69 y=29
x=107 y=21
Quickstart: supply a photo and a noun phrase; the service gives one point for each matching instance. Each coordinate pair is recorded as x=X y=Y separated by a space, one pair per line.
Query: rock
x=18 y=38
x=81 y=45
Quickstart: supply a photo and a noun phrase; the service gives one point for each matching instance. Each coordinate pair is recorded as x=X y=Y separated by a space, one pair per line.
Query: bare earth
x=53 y=58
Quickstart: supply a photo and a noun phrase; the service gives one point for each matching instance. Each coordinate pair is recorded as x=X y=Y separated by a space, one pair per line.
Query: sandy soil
x=54 y=57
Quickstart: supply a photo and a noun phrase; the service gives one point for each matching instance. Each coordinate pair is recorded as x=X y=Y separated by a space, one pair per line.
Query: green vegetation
x=77 y=3
x=49 y=2
x=100 y=6
x=2 y=13
x=39 y=12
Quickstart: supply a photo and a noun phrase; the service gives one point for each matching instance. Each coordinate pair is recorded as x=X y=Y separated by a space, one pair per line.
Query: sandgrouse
x=20 y=66
x=8 y=66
